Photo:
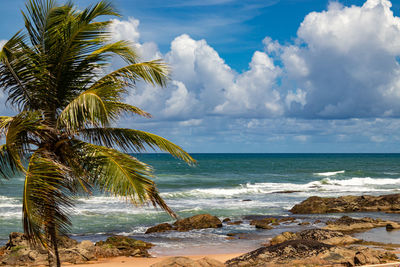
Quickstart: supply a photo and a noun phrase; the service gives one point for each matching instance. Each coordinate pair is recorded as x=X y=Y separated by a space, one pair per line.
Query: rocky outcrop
x=387 y=203
x=159 y=228
x=322 y=235
x=201 y=221
x=18 y=252
x=187 y=262
x=122 y=246
x=266 y=223
x=348 y=224
x=310 y=253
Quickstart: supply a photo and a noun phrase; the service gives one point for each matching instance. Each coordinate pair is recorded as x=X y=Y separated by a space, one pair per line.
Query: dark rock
x=280 y=253
x=287 y=219
x=321 y=235
x=342 y=204
x=226 y=220
x=310 y=253
x=246 y=200
x=200 y=221
x=304 y=223
x=264 y=223
x=159 y=228
x=235 y=223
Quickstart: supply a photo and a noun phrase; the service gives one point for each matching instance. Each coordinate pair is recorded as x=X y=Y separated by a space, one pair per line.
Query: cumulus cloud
x=345 y=62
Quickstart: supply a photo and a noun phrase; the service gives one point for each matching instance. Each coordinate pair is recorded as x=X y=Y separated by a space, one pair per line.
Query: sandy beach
x=145 y=262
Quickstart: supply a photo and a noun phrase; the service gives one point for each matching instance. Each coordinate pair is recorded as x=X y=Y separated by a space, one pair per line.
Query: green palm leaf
x=133 y=140
x=45 y=203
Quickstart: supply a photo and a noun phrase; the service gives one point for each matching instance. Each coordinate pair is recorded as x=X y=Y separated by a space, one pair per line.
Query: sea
x=236 y=186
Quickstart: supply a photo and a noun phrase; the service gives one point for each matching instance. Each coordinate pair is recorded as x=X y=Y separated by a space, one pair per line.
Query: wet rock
x=304 y=223
x=226 y=220
x=246 y=200
x=200 y=221
x=187 y=262
x=159 y=228
x=322 y=235
x=287 y=219
x=392 y=226
x=310 y=253
x=387 y=203
x=264 y=223
x=235 y=223
x=348 y=224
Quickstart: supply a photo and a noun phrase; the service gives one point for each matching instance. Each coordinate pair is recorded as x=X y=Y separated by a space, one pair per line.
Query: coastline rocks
x=122 y=246
x=312 y=205
x=310 y=253
x=322 y=235
x=200 y=221
x=348 y=224
x=187 y=262
x=159 y=228
x=265 y=223
x=18 y=252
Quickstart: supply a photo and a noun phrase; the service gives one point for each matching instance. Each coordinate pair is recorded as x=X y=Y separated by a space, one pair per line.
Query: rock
x=392 y=226
x=348 y=224
x=285 y=236
x=163 y=227
x=264 y=223
x=310 y=253
x=235 y=223
x=304 y=223
x=321 y=235
x=19 y=252
x=387 y=203
x=200 y=221
x=246 y=200
x=282 y=253
x=122 y=246
x=226 y=220
x=287 y=219
x=187 y=262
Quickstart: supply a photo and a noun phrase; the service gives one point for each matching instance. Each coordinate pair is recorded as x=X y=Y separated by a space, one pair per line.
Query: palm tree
x=62 y=138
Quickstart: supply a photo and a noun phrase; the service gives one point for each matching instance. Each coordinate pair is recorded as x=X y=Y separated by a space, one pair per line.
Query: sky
x=271 y=76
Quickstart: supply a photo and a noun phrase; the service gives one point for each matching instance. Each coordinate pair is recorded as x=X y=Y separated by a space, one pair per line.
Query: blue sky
x=264 y=76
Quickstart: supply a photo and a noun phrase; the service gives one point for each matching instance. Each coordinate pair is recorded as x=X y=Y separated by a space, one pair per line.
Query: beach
x=145 y=262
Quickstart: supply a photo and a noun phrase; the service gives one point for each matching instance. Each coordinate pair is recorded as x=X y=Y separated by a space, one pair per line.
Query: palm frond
x=122 y=175
x=8 y=166
x=45 y=203
x=134 y=140
x=20 y=134
x=153 y=72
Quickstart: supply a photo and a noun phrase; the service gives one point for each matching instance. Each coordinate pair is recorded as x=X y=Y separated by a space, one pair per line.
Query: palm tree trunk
x=54 y=257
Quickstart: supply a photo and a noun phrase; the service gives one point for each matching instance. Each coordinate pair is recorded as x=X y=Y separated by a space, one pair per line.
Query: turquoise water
x=271 y=184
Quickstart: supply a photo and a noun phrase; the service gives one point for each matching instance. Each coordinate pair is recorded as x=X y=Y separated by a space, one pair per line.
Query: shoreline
x=146 y=262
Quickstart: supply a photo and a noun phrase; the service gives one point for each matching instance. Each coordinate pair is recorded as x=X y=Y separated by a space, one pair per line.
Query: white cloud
x=346 y=62
x=342 y=65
